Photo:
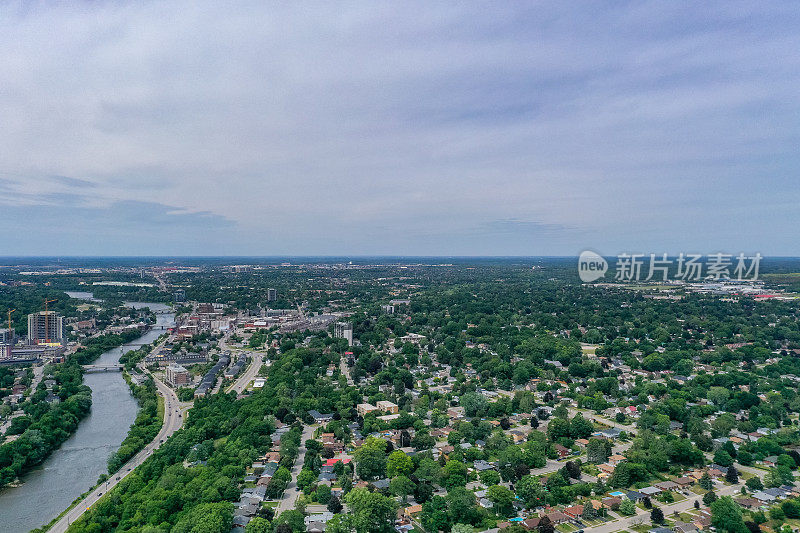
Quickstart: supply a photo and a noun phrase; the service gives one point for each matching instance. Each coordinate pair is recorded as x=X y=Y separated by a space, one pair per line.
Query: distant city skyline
x=405 y=129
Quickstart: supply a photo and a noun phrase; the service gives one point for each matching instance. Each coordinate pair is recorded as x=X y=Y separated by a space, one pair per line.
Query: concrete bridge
x=92 y=369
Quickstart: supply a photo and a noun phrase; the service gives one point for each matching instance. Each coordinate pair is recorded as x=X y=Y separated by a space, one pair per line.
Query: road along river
x=75 y=466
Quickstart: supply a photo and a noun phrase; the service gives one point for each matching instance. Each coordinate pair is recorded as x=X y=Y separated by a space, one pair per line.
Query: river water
x=73 y=468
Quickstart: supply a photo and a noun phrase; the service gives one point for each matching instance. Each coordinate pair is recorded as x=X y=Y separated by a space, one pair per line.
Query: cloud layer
x=399 y=128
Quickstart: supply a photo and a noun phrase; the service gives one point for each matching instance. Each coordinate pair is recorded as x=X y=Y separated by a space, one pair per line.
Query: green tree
x=726 y=515
x=598 y=451
x=323 y=494
x=207 y=517
x=531 y=492
x=293 y=519
x=258 y=525
x=401 y=486
x=627 y=508
x=454 y=474
x=791 y=509
x=305 y=478
x=502 y=498
x=657 y=515
x=732 y=475
x=428 y=471
x=371 y=459
x=490 y=477
x=399 y=464
x=461 y=504
x=474 y=404
x=754 y=483
x=721 y=457
x=371 y=512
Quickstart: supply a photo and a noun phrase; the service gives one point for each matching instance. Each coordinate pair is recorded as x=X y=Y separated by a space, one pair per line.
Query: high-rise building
x=45 y=326
x=272 y=295
x=6 y=336
x=344 y=330
x=180 y=296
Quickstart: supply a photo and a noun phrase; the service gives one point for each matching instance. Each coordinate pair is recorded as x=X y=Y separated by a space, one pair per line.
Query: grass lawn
x=596 y=521
x=678 y=497
x=566 y=528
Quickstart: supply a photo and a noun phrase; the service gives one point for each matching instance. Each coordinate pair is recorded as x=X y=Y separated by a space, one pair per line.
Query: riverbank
x=144 y=428
x=75 y=467
x=53 y=422
x=46 y=424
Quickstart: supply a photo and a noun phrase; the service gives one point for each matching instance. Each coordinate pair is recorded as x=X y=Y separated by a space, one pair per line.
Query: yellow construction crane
x=9 y=324
x=47 y=321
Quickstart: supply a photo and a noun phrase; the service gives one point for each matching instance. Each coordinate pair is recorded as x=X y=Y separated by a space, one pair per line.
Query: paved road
x=643 y=517
x=685 y=505
x=591 y=415
x=553 y=466
x=249 y=375
x=345 y=370
x=292 y=491
x=174 y=416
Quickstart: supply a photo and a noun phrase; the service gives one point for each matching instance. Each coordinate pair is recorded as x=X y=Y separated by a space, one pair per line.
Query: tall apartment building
x=272 y=295
x=180 y=296
x=45 y=326
x=344 y=330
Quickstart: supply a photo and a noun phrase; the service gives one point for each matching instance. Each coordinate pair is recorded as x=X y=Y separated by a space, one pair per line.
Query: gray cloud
x=406 y=127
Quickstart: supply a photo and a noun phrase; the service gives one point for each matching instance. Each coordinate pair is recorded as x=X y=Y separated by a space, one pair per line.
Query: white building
x=344 y=330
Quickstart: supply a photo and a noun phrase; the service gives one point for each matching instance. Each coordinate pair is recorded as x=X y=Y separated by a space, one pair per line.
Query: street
x=292 y=491
x=248 y=375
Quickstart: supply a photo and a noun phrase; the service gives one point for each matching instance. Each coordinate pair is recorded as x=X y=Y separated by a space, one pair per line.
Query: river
x=74 y=468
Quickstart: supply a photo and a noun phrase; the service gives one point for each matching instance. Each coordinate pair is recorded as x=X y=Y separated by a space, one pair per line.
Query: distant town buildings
x=344 y=330
x=177 y=376
x=45 y=326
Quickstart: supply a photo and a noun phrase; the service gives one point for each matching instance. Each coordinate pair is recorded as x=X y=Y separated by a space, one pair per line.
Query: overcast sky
x=378 y=128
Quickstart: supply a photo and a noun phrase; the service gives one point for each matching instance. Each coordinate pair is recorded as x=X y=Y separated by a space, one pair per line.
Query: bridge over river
x=93 y=369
